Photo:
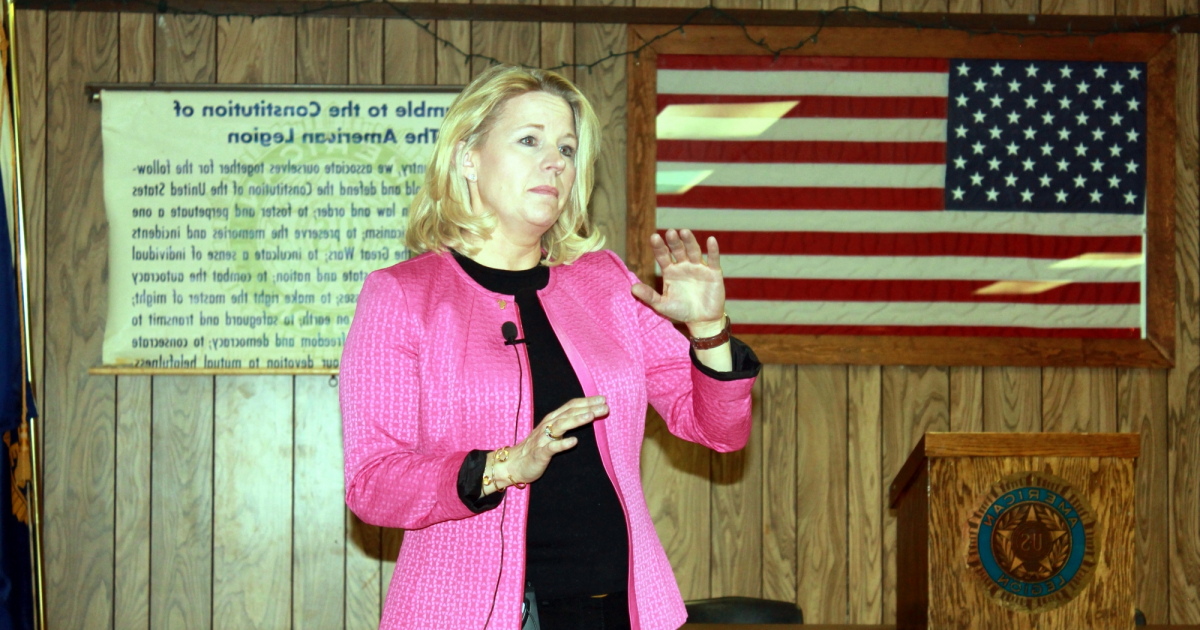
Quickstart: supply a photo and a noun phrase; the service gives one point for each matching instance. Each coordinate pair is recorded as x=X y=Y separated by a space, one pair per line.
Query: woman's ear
x=464 y=159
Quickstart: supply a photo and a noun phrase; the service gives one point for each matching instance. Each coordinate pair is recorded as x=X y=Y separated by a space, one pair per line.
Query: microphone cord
x=504 y=508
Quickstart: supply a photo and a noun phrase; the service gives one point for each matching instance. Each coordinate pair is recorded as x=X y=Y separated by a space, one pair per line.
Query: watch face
x=1032 y=542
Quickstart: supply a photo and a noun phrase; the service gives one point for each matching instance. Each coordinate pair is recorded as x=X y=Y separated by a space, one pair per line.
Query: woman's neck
x=498 y=252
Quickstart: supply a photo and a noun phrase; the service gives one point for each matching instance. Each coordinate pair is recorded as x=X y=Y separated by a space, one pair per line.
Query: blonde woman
x=494 y=386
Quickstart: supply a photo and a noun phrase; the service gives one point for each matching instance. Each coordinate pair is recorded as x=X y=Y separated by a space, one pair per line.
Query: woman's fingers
x=676 y=245
x=691 y=246
x=714 y=254
x=662 y=255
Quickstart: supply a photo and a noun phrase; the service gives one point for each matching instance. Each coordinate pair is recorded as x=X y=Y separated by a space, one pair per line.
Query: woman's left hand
x=693 y=289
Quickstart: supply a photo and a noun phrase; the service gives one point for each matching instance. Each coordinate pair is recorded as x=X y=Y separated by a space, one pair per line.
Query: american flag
x=896 y=196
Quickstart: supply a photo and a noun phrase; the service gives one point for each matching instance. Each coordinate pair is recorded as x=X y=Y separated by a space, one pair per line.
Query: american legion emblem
x=1032 y=542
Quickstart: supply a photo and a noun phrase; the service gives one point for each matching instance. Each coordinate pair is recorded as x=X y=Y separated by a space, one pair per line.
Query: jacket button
x=503 y=304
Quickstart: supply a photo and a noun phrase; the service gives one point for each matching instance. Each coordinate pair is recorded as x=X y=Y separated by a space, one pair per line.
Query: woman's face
x=525 y=166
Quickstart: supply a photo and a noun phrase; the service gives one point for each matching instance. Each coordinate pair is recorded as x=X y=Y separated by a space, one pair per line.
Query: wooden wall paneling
x=409 y=54
x=1079 y=400
x=966 y=398
x=78 y=506
x=259 y=50
x=605 y=87
x=922 y=6
x=252 y=502
x=31 y=60
x=777 y=414
x=1142 y=408
x=185 y=49
x=737 y=514
x=453 y=66
x=510 y=42
x=1009 y=6
x=1077 y=7
x=676 y=477
x=821 y=497
x=323 y=50
x=558 y=43
x=866 y=497
x=319 y=529
x=1183 y=395
x=914 y=401
x=181 y=504
x=1012 y=399
x=365 y=42
x=131 y=570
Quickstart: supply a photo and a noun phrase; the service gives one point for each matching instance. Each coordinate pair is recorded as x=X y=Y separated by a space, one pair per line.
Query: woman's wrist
x=496 y=476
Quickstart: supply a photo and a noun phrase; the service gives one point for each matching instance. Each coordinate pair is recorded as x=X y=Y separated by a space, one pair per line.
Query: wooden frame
x=1157 y=51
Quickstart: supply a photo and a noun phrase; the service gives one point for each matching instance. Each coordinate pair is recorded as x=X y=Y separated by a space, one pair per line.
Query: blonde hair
x=441 y=217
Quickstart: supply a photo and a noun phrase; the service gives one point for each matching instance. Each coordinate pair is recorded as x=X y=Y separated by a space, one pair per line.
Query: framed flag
x=902 y=196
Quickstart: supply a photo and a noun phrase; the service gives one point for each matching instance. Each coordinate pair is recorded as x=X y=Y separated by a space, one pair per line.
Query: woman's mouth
x=545 y=190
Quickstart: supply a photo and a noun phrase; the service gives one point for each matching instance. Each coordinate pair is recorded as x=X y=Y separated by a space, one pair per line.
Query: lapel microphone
x=509 y=330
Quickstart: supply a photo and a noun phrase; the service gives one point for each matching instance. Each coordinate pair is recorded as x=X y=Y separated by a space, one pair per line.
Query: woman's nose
x=554 y=160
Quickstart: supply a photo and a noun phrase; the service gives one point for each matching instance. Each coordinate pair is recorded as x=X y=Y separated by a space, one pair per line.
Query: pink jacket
x=426 y=377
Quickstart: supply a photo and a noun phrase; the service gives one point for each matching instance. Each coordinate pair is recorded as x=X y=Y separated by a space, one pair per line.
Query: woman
x=494 y=387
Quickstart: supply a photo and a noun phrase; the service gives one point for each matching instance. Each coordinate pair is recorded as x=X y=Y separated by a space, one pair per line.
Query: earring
x=472 y=177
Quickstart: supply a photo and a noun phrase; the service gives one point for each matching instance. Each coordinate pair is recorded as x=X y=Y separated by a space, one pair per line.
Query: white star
x=979 y=85
x=1117 y=88
x=1031 y=71
x=1100 y=72
x=1062 y=164
x=992 y=194
x=1131 y=166
x=1048 y=87
x=994 y=132
x=960 y=100
x=1095 y=194
x=1083 y=87
x=977 y=148
x=1066 y=72
x=1130 y=197
x=962 y=70
x=1029 y=131
x=958 y=194
x=997 y=69
x=1010 y=179
x=976 y=179
x=1030 y=102
x=1081 y=118
x=960 y=163
x=1047 y=118
x=1046 y=149
x=1115 y=150
x=996 y=101
x=1097 y=165
x=1012 y=118
x=1133 y=104
x=1116 y=119
x=1060 y=196
x=978 y=116
x=1045 y=180
x=1014 y=86
x=1027 y=164
x=1099 y=102
x=1064 y=133
x=1113 y=182
x=1081 y=150
x=993 y=164
x=1026 y=195
x=1012 y=148
x=1098 y=134
x=961 y=131
x=1134 y=73
x=1064 y=103
x=1132 y=134
x=1079 y=181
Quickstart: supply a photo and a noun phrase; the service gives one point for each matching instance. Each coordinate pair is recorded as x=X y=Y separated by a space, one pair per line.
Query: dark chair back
x=739 y=610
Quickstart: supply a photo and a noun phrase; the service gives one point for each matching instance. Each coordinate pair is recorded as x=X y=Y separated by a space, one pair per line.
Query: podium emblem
x=1032 y=542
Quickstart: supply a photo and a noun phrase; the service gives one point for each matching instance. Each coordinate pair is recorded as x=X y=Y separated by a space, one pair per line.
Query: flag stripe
x=934 y=314
x=766 y=62
x=918 y=267
x=825 y=129
x=917 y=244
x=923 y=291
x=864 y=83
x=779 y=198
x=825 y=106
x=938 y=331
x=803 y=152
x=814 y=175
x=755 y=220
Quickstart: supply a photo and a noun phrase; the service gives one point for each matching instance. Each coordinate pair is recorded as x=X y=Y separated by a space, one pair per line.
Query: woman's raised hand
x=693 y=289
x=527 y=460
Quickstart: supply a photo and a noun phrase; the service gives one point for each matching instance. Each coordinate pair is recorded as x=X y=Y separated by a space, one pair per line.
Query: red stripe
x=779 y=198
x=919 y=244
x=796 y=290
x=770 y=62
x=939 y=331
x=802 y=152
x=827 y=106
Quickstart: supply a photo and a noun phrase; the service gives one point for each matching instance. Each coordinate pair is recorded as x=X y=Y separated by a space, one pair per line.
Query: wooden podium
x=1016 y=531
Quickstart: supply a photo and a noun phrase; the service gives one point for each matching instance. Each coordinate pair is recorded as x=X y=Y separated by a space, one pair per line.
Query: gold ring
x=550 y=432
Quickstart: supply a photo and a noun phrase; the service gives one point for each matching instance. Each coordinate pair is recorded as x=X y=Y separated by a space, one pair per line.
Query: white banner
x=242 y=224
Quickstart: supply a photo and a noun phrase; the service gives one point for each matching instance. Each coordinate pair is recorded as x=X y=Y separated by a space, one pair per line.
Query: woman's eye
x=567 y=150
x=528 y=141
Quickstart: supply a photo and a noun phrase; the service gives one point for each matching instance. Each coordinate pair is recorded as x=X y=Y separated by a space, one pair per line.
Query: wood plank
x=252 y=502
x=604 y=85
x=185 y=49
x=131 y=573
x=737 y=514
x=508 y=42
x=1142 y=409
x=181 y=535
x=322 y=50
x=1012 y=399
x=558 y=44
x=364 y=605
x=966 y=398
x=261 y=50
x=454 y=66
x=939 y=444
x=79 y=476
x=31 y=58
x=1009 y=6
x=780 y=440
x=1079 y=400
x=679 y=502
x=389 y=549
x=409 y=55
x=366 y=52
x=1183 y=395
x=821 y=498
x=915 y=401
x=865 y=505
x=319 y=534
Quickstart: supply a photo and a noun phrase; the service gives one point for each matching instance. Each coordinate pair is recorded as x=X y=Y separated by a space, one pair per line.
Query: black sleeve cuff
x=745 y=363
x=470 y=483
